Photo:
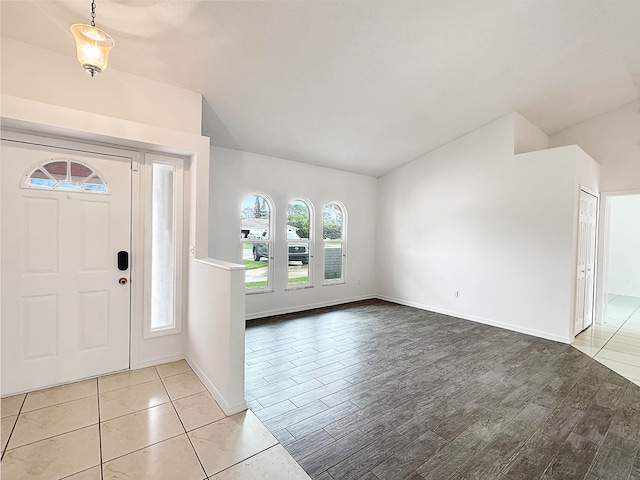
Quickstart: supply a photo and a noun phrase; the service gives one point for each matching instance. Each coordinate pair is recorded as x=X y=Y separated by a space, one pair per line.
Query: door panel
x=64 y=314
x=585 y=281
x=590 y=259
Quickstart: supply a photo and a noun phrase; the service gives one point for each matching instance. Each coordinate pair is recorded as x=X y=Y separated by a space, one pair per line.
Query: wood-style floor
x=374 y=390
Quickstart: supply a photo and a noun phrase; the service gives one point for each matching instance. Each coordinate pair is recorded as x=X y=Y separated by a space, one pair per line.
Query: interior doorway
x=621 y=269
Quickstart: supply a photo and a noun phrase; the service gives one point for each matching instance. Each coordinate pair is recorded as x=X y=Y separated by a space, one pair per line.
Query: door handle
x=123 y=260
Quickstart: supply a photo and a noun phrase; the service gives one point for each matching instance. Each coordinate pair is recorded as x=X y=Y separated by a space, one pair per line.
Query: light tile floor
x=154 y=423
x=616 y=342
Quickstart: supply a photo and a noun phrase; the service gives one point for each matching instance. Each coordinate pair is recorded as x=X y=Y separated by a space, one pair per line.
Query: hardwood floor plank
x=356 y=466
x=320 y=420
x=404 y=462
x=326 y=457
x=573 y=458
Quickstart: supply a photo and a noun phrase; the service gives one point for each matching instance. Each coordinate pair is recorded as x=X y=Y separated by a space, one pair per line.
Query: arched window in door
x=66 y=175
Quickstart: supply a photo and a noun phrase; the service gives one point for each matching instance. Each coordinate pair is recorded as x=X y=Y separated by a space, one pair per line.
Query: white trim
x=178 y=230
x=257 y=290
x=308 y=241
x=590 y=191
x=329 y=283
x=135 y=266
x=270 y=241
x=41 y=166
x=343 y=246
x=228 y=409
x=594 y=303
x=473 y=318
x=158 y=361
x=602 y=286
x=221 y=264
x=293 y=287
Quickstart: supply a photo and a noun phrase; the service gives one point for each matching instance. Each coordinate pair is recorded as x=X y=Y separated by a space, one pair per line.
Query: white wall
x=499 y=229
x=612 y=140
x=236 y=175
x=624 y=246
x=216 y=334
x=48 y=77
x=527 y=136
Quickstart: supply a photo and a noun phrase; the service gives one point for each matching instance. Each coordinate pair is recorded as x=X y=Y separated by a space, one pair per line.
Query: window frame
x=270 y=241
x=60 y=184
x=309 y=241
x=178 y=242
x=343 y=245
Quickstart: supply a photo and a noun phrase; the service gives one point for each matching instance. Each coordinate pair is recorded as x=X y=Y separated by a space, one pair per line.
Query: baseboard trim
x=473 y=318
x=302 y=308
x=157 y=361
x=227 y=408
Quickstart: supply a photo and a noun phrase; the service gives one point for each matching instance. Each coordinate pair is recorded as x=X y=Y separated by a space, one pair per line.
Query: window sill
x=299 y=287
x=257 y=291
x=162 y=332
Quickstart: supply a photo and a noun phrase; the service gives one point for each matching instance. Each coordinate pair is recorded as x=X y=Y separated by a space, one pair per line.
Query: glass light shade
x=92 y=47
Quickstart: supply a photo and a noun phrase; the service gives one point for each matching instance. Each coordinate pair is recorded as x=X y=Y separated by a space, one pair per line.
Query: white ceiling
x=363 y=86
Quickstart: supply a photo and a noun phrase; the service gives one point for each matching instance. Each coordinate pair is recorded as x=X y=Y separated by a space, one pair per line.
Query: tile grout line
x=14 y=427
x=251 y=456
x=138 y=411
x=617 y=330
x=206 y=475
x=614 y=333
x=99 y=428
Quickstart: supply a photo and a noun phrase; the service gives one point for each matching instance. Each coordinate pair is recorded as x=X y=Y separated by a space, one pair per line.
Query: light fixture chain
x=93 y=13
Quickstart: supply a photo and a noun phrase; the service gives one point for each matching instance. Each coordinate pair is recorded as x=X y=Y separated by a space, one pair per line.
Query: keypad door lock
x=122 y=281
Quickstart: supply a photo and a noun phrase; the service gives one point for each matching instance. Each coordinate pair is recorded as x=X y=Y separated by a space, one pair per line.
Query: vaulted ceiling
x=362 y=86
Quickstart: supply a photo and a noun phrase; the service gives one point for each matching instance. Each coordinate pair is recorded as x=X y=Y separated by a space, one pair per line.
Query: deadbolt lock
x=122 y=281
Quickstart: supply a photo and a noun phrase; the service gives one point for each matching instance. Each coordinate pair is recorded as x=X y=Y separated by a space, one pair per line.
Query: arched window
x=66 y=175
x=334 y=239
x=257 y=241
x=298 y=244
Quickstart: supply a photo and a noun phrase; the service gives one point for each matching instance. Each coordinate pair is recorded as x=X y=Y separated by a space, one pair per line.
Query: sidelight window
x=164 y=244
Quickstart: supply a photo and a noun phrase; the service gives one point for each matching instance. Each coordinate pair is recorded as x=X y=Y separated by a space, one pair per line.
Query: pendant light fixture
x=92 y=45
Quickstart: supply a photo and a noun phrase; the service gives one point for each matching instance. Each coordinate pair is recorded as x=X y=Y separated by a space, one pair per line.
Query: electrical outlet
x=456 y=294
x=358 y=282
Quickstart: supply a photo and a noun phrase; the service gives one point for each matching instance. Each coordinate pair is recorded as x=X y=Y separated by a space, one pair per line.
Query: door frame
x=136 y=262
x=596 y=273
x=604 y=234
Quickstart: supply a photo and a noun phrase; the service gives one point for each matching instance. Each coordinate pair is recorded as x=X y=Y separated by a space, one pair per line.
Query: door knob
x=122 y=281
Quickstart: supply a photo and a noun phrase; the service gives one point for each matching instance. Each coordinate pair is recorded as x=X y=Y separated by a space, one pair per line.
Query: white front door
x=65 y=303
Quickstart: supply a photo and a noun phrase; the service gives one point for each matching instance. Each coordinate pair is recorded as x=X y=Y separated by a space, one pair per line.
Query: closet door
x=585 y=281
